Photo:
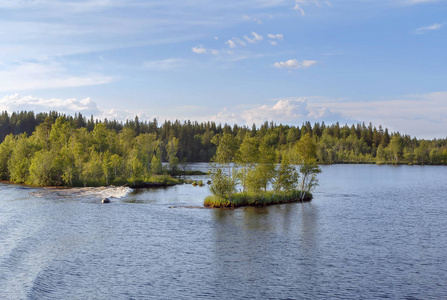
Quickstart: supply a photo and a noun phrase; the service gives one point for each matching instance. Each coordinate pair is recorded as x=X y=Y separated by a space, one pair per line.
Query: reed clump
x=257 y=199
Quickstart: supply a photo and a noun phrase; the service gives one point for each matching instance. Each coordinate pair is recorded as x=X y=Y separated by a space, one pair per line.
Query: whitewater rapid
x=83 y=192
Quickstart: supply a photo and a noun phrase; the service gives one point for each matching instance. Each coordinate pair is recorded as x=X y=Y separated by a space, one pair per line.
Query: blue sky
x=245 y=62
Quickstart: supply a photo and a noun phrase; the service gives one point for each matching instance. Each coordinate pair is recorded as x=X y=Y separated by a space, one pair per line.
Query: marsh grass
x=256 y=199
x=155 y=181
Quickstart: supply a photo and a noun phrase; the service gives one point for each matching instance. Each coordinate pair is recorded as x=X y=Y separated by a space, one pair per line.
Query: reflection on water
x=266 y=247
x=370 y=232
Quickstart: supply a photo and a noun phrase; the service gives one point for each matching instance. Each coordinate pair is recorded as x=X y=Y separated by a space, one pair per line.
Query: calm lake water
x=370 y=232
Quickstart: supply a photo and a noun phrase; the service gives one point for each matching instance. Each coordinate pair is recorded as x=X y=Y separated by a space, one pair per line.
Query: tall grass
x=256 y=199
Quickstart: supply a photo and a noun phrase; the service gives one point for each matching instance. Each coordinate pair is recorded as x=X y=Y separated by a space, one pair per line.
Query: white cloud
x=86 y=106
x=230 y=43
x=203 y=50
x=45 y=75
x=256 y=38
x=234 y=42
x=298 y=8
x=239 y=42
x=274 y=38
x=199 y=50
x=16 y=102
x=165 y=64
x=425 y=29
x=293 y=111
x=300 y=3
x=278 y=36
x=284 y=110
x=423 y=116
x=415 y=2
x=294 y=64
x=224 y=116
x=251 y=19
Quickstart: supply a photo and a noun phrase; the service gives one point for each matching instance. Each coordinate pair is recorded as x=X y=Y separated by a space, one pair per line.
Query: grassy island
x=250 y=166
x=258 y=199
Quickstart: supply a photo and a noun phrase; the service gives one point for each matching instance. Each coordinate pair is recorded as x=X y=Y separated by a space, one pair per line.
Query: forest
x=57 y=149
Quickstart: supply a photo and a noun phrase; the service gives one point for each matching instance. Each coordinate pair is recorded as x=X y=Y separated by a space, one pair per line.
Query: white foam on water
x=87 y=192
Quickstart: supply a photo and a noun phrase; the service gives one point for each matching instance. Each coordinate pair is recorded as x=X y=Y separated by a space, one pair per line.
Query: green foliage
x=258 y=169
x=287 y=177
x=226 y=150
x=5 y=154
x=223 y=185
x=20 y=160
x=265 y=171
x=59 y=154
x=41 y=168
x=396 y=148
x=171 y=152
x=247 y=156
x=309 y=171
x=305 y=155
x=306 y=149
x=88 y=151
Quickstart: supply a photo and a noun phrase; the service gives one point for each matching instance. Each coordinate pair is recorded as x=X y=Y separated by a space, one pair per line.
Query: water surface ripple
x=370 y=232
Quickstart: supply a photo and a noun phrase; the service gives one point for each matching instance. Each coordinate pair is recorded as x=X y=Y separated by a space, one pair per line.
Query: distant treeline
x=193 y=142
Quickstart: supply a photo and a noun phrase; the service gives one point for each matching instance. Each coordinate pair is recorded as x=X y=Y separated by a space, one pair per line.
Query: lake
x=370 y=232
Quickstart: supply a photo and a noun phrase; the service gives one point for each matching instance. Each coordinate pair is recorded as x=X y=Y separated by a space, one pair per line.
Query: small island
x=251 y=167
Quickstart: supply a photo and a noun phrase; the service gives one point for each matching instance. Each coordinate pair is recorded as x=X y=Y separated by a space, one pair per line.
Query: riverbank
x=260 y=199
x=155 y=181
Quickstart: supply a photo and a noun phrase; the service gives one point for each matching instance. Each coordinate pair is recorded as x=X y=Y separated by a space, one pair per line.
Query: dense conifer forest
x=57 y=149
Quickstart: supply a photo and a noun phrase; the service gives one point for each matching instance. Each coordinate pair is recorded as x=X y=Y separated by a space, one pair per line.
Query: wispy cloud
x=300 y=3
x=255 y=39
x=165 y=64
x=274 y=38
x=294 y=64
x=425 y=29
x=251 y=19
x=298 y=8
x=203 y=50
x=46 y=75
x=232 y=43
x=86 y=26
x=421 y=115
x=199 y=50
x=278 y=36
x=415 y=2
